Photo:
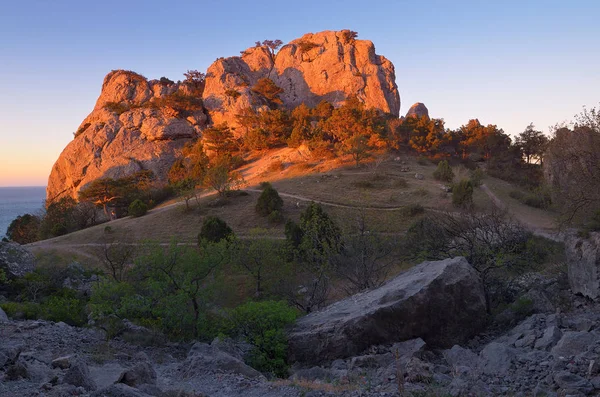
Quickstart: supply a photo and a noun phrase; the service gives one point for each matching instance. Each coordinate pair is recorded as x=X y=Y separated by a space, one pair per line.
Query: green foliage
x=214 y=229
x=59 y=230
x=24 y=229
x=137 y=208
x=68 y=309
x=220 y=175
x=59 y=218
x=443 y=172
x=268 y=201
x=462 y=194
x=21 y=310
x=477 y=177
x=293 y=233
x=537 y=198
x=262 y=324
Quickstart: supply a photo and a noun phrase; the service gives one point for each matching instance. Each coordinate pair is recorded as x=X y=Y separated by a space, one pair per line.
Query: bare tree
x=117 y=257
x=365 y=259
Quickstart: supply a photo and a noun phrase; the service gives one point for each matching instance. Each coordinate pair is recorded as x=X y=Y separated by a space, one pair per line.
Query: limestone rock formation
x=583 y=259
x=327 y=65
x=441 y=302
x=418 y=110
x=136 y=125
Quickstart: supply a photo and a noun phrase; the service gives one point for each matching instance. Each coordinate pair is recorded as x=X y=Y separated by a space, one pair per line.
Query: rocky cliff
x=136 y=125
x=321 y=66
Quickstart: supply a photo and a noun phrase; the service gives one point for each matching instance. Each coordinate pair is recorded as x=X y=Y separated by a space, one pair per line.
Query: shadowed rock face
x=441 y=302
x=583 y=259
x=124 y=134
x=326 y=65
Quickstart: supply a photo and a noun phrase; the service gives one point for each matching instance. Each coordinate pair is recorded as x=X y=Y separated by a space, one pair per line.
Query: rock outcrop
x=441 y=302
x=321 y=66
x=136 y=125
x=583 y=259
x=418 y=110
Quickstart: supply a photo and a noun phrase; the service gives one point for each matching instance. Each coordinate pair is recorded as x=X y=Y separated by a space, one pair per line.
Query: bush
x=413 y=209
x=443 y=172
x=66 y=309
x=21 y=311
x=268 y=201
x=262 y=324
x=214 y=229
x=58 y=230
x=137 y=208
x=477 y=177
x=462 y=194
x=275 y=217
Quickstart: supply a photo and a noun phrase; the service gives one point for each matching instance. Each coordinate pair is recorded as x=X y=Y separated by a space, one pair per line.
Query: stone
x=572 y=384
x=79 y=375
x=15 y=260
x=419 y=176
x=141 y=374
x=459 y=357
x=320 y=66
x=496 y=359
x=418 y=110
x=371 y=361
x=62 y=362
x=573 y=343
x=583 y=261
x=311 y=374
x=441 y=302
x=404 y=351
x=551 y=336
x=3 y=317
x=203 y=357
x=119 y=390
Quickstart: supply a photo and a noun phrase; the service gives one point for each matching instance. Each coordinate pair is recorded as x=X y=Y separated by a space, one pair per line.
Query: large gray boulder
x=203 y=358
x=441 y=302
x=15 y=260
x=583 y=260
x=3 y=316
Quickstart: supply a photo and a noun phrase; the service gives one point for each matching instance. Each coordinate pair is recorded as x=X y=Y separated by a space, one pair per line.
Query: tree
x=219 y=139
x=262 y=258
x=358 y=147
x=443 y=172
x=58 y=219
x=137 y=208
x=102 y=192
x=214 y=229
x=320 y=241
x=266 y=88
x=117 y=257
x=462 y=194
x=271 y=46
x=196 y=80
x=220 y=177
x=24 y=229
x=187 y=173
x=268 y=201
x=532 y=143
x=364 y=259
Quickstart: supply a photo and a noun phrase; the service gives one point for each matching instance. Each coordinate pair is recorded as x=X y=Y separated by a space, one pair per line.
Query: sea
x=15 y=201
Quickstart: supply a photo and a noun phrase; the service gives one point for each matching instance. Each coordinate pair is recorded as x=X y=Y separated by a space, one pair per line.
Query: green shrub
x=137 y=208
x=268 y=201
x=462 y=194
x=214 y=229
x=58 y=230
x=413 y=209
x=21 y=310
x=293 y=233
x=66 y=309
x=443 y=172
x=275 y=217
x=477 y=177
x=262 y=324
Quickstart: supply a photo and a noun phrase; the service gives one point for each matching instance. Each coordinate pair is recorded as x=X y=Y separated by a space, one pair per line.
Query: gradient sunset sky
x=505 y=62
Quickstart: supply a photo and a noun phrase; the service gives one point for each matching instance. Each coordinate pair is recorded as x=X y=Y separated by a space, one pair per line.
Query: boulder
x=418 y=110
x=572 y=384
x=460 y=359
x=583 y=260
x=203 y=357
x=62 y=362
x=441 y=302
x=320 y=66
x=496 y=359
x=551 y=336
x=574 y=343
x=141 y=374
x=15 y=260
x=79 y=375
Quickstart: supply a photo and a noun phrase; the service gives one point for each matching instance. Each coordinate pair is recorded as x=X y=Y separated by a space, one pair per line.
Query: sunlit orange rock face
x=327 y=65
x=129 y=136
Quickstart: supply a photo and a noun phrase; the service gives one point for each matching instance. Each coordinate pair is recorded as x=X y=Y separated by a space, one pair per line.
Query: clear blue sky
x=505 y=62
